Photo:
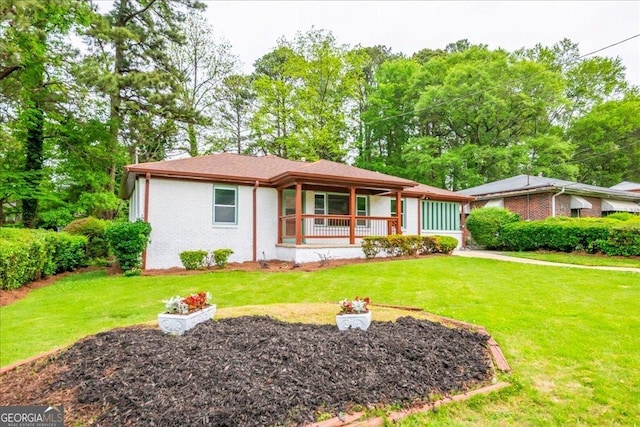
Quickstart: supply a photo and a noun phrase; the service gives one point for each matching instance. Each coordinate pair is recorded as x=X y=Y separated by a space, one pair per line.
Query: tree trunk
x=33 y=166
x=193 y=140
x=239 y=130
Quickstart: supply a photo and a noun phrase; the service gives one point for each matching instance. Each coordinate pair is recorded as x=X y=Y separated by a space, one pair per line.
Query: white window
x=225 y=205
x=394 y=212
x=362 y=209
x=338 y=204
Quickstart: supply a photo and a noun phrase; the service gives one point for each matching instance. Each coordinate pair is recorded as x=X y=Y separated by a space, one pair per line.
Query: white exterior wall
x=303 y=254
x=181 y=217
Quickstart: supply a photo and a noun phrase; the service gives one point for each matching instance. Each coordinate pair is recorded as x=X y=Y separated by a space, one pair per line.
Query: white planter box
x=178 y=324
x=353 y=321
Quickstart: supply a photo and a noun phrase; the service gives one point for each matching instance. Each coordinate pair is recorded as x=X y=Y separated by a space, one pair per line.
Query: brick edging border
x=352 y=420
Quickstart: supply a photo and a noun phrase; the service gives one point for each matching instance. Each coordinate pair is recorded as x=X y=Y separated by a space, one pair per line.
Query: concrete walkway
x=472 y=253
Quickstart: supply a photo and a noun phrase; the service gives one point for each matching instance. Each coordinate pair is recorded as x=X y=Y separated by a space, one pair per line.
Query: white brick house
x=272 y=208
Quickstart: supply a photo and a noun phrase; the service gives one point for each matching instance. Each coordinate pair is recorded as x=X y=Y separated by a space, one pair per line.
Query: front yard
x=571 y=336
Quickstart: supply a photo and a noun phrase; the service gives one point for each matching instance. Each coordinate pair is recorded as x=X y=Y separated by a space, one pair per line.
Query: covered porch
x=320 y=214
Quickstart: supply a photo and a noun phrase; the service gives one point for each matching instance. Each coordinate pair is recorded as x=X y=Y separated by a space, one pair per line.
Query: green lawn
x=572 y=336
x=579 y=259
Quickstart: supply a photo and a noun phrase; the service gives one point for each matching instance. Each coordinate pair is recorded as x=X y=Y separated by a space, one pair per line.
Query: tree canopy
x=85 y=91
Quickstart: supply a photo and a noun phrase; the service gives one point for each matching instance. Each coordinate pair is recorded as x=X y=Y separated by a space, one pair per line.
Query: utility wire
x=468 y=95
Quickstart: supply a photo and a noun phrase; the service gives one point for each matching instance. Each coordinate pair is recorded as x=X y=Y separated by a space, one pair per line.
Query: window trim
x=325 y=196
x=403 y=206
x=444 y=224
x=214 y=205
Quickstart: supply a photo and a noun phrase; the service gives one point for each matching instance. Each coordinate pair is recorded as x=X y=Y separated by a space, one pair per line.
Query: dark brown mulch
x=257 y=371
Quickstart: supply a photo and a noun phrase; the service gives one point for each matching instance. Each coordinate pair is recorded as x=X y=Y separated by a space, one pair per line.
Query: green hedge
x=398 y=245
x=623 y=240
x=611 y=236
x=28 y=255
x=94 y=229
x=486 y=225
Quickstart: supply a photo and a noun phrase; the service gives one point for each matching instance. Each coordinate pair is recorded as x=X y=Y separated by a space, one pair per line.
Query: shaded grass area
x=579 y=259
x=572 y=336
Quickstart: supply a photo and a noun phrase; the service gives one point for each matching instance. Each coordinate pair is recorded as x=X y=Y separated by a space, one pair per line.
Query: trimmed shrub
x=399 y=245
x=445 y=244
x=370 y=246
x=127 y=241
x=623 y=240
x=194 y=260
x=486 y=225
x=556 y=234
x=94 y=229
x=221 y=257
x=27 y=255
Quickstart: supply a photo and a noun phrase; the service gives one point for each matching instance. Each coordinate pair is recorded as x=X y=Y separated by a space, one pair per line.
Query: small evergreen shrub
x=221 y=257
x=127 y=241
x=445 y=244
x=486 y=225
x=94 y=229
x=371 y=246
x=194 y=260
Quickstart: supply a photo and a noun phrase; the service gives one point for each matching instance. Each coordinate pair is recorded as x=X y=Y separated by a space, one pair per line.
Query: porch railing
x=337 y=226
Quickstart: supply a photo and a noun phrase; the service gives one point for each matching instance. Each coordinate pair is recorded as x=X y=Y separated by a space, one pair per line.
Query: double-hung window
x=225 y=205
x=338 y=204
x=394 y=211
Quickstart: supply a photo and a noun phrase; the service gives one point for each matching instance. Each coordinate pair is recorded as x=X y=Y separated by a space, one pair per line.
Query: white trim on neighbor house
x=619 y=206
x=495 y=203
x=578 y=202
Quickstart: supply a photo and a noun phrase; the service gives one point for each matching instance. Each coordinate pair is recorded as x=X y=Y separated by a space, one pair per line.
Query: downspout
x=553 y=202
x=255 y=221
x=147 y=178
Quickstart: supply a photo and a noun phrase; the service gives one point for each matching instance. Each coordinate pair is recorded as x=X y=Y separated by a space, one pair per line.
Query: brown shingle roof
x=228 y=165
x=267 y=169
x=338 y=172
x=435 y=193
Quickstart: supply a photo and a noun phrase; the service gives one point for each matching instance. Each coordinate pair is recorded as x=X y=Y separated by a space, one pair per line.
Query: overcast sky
x=253 y=27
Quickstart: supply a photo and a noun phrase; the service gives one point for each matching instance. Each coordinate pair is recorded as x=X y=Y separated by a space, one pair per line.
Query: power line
x=468 y=95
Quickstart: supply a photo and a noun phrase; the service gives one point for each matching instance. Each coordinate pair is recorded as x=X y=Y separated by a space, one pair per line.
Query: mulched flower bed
x=257 y=371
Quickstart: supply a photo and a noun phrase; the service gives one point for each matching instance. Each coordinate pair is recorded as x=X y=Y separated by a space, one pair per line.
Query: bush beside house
x=497 y=228
x=486 y=225
x=399 y=245
x=127 y=241
x=94 y=229
x=28 y=255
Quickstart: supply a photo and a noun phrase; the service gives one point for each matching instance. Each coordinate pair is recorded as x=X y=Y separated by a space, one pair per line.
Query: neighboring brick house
x=273 y=208
x=537 y=197
x=627 y=186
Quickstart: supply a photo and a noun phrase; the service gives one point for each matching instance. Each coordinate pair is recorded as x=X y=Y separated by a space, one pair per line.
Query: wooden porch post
x=279 y=214
x=419 y=219
x=399 y=212
x=298 y=213
x=463 y=223
x=352 y=214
